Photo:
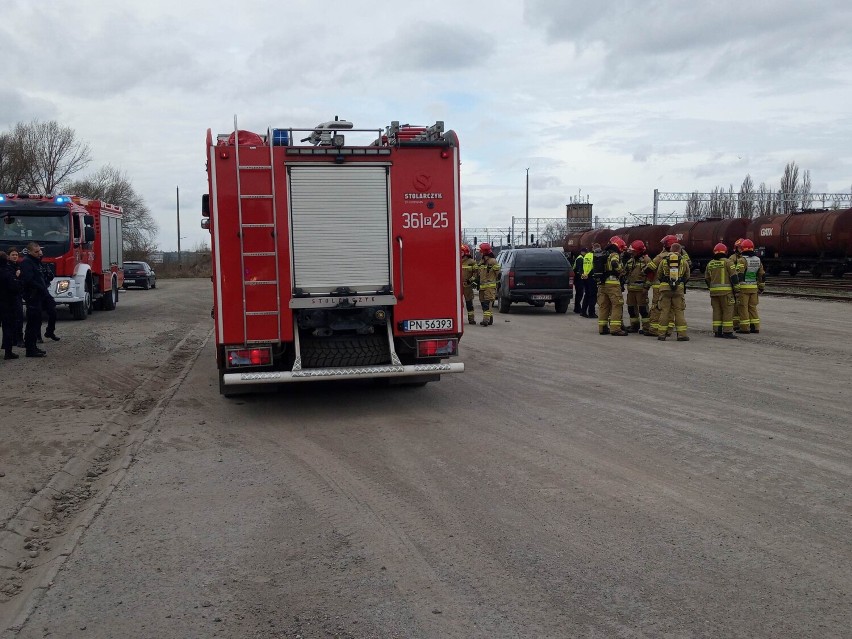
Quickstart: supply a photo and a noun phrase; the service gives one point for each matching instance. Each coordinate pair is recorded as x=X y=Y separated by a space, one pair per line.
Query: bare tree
x=13 y=164
x=51 y=152
x=789 y=194
x=805 y=190
x=113 y=186
x=554 y=233
x=694 y=207
x=722 y=203
x=747 y=198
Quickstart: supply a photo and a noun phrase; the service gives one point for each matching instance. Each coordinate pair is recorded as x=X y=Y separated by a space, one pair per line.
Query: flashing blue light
x=2 y=198
x=62 y=199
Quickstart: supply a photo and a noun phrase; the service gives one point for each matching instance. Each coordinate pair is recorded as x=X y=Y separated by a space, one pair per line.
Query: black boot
x=52 y=336
x=729 y=336
x=10 y=355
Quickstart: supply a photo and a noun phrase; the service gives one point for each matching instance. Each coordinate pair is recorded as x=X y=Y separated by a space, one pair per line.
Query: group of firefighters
x=602 y=275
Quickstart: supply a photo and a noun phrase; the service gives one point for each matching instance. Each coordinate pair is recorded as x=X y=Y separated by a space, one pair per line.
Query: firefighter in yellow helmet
x=723 y=283
x=489 y=274
x=673 y=274
x=469 y=275
x=610 y=301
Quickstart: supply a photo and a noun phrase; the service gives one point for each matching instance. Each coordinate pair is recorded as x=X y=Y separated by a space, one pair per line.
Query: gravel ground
x=565 y=485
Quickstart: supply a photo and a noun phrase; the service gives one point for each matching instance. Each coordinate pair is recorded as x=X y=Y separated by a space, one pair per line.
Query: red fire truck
x=334 y=259
x=81 y=242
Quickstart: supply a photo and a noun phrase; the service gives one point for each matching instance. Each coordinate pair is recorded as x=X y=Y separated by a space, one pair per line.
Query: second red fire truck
x=81 y=240
x=334 y=259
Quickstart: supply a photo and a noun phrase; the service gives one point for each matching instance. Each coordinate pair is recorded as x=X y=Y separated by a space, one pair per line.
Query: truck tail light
x=249 y=357
x=511 y=279
x=437 y=347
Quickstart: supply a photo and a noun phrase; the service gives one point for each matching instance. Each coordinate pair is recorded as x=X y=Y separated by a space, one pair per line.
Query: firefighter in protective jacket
x=610 y=301
x=469 y=275
x=654 y=284
x=673 y=273
x=489 y=273
x=637 y=293
x=738 y=250
x=752 y=282
x=723 y=284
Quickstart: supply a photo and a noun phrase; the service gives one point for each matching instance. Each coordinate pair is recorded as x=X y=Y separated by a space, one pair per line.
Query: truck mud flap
x=356 y=372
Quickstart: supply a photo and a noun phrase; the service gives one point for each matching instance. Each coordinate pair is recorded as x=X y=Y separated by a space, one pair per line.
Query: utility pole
x=177 y=194
x=527 y=226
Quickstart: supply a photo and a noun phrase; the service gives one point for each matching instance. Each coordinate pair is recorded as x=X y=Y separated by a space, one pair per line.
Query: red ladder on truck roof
x=256 y=192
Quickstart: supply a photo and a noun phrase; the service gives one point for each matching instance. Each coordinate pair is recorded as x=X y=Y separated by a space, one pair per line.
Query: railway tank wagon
x=706 y=234
x=651 y=234
x=816 y=241
x=819 y=242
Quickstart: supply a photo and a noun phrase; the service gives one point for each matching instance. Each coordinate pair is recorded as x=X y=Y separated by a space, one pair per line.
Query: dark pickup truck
x=535 y=276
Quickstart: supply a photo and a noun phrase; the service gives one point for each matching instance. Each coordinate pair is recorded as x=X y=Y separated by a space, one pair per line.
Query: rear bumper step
x=353 y=372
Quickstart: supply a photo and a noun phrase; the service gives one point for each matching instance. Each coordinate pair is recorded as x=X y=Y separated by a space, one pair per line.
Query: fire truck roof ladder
x=250 y=189
x=408 y=134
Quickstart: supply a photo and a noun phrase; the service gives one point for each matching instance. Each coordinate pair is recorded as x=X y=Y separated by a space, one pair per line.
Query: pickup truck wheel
x=562 y=305
x=505 y=304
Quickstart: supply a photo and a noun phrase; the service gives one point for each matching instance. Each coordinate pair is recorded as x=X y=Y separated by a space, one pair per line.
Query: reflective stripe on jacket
x=721 y=277
x=635 y=270
x=614 y=269
x=489 y=273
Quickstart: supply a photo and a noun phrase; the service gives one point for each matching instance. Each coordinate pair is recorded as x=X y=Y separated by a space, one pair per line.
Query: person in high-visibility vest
x=752 y=282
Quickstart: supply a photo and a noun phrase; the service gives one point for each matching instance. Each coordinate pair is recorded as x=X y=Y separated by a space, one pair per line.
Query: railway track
x=835 y=289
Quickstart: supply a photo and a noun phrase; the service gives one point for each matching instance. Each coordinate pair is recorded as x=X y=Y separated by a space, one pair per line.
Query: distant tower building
x=579 y=214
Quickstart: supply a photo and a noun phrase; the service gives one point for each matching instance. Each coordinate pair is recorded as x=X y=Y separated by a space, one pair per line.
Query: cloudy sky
x=610 y=99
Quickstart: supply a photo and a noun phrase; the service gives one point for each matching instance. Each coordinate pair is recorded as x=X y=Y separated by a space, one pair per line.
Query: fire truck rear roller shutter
x=340 y=227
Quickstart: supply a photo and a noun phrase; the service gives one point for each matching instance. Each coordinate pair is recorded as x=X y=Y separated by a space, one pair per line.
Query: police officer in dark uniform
x=10 y=288
x=35 y=293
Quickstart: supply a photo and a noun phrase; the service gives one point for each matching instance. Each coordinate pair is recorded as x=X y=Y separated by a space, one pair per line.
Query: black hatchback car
x=535 y=276
x=139 y=274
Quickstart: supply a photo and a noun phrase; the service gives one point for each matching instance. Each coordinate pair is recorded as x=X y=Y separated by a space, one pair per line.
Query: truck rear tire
x=562 y=305
x=345 y=350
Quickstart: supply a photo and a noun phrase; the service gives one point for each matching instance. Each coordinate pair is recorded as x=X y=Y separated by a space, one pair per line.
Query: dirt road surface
x=565 y=485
